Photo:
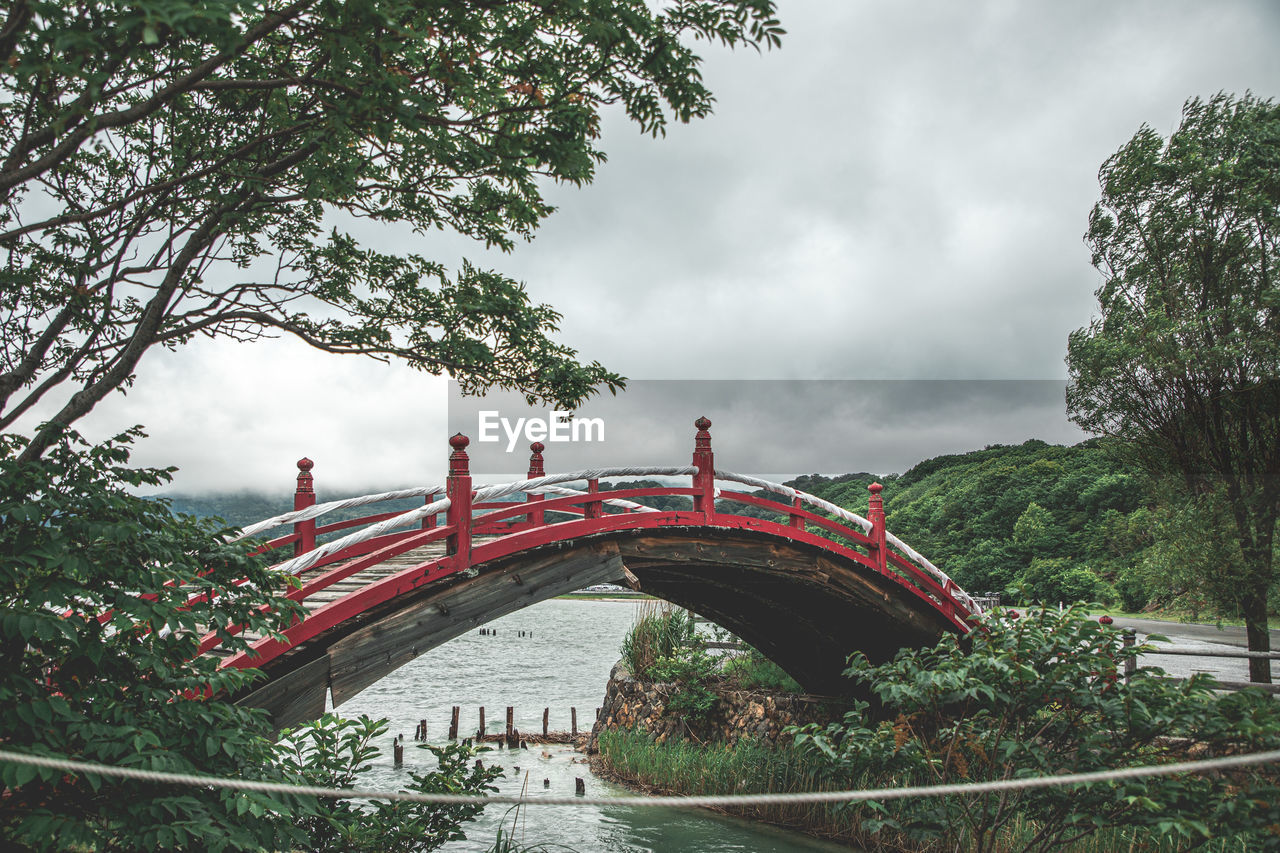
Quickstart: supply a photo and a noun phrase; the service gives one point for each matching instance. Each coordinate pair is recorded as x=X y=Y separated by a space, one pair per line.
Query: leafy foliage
x=332 y=752
x=1055 y=579
x=694 y=673
x=1039 y=696
x=77 y=546
x=170 y=168
x=91 y=668
x=1183 y=363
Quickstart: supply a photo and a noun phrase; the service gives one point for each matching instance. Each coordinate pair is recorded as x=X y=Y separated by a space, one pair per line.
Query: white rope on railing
x=317 y=510
x=845 y=515
x=813 y=500
x=487 y=493
x=305 y=561
x=1203 y=765
x=618 y=502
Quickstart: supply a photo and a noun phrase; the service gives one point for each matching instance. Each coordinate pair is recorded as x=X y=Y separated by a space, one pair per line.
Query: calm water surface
x=563 y=662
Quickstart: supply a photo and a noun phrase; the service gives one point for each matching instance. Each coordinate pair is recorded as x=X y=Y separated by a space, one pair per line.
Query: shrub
x=92 y=670
x=693 y=672
x=1040 y=696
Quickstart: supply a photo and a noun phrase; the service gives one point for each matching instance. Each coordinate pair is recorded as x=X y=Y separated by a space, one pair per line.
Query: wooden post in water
x=546 y=715
x=397 y=750
x=573 y=721
x=453 y=724
x=481 y=737
x=511 y=722
x=579 y=787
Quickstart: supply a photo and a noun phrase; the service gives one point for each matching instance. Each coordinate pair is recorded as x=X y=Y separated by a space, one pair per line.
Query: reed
x=659 y=631
x=747 y=767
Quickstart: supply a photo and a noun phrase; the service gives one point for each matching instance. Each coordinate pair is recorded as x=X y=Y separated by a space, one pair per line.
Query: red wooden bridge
x=807 y=586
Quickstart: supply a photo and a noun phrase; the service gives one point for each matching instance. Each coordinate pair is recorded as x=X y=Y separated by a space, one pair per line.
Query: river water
x=562 y=661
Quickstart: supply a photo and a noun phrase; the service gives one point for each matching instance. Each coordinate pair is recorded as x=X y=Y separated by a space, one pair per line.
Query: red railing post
x=797 y=521
x=458 y=489
x=535 y=516
x=879 y=549
x=429 y=522
x=304 y=496
x=593 y=509
x=704 y=482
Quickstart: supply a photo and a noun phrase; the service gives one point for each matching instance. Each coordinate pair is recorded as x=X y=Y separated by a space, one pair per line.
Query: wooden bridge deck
x=356 y=581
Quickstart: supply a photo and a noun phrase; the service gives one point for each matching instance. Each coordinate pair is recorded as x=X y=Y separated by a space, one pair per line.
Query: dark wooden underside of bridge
x=805 y=608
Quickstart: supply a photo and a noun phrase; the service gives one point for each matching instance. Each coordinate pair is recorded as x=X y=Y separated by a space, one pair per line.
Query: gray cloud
x=899 y=192
x=777 y=427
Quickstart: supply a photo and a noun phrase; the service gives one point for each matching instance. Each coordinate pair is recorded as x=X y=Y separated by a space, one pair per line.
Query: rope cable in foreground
x=1112 y=775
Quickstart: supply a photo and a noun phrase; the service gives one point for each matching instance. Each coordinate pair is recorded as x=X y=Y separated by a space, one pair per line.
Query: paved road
x=1208 y=637
x=1227 y=635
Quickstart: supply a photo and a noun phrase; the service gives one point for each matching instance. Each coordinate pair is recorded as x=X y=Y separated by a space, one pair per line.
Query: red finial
x=458 y=459
x=535 y=460
x=305 y=479
x=875 y=488
x=1105 y=620
x=702 y=441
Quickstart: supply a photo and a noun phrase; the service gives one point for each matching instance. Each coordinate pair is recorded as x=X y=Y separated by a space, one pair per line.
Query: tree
x=90 y=670
x=167 y=168
x=1183 y=363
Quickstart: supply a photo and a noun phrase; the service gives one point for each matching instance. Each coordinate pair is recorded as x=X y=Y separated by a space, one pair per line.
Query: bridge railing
x=457 y=512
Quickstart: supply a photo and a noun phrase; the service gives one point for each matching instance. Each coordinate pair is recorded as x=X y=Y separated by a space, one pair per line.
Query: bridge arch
x=806 y=589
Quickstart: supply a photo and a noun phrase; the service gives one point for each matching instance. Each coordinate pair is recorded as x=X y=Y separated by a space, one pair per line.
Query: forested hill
x=1066 y=521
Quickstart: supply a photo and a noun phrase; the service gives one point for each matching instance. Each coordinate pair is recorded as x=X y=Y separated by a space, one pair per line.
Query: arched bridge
x=807 y=585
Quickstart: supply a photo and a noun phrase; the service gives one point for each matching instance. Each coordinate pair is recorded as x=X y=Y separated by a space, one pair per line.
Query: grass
x=747 y=767
x=659 y=631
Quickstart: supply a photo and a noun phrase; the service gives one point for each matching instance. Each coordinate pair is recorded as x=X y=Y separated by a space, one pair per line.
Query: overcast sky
x=899 y=192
